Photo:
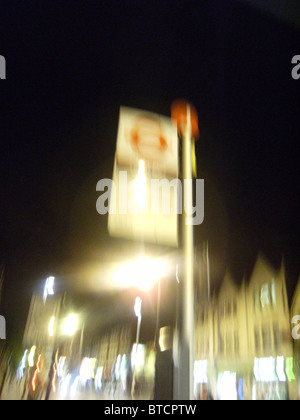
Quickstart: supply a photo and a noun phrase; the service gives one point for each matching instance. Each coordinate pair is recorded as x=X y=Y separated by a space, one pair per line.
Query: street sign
x=144 y=196
x=143 y=208
x=149 y=137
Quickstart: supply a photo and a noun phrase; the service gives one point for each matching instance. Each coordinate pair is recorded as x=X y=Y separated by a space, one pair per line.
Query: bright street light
x=141 y=273
x=70 y=325
x=138 y=307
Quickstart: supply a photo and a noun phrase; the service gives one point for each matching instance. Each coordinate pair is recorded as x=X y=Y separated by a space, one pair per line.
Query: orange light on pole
x=179 y=111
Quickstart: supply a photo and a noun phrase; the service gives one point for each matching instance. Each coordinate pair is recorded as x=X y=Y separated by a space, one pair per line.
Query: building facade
x=243 y=342
x=295 y=321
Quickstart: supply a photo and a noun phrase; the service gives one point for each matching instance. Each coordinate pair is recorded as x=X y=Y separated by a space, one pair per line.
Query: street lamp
x=141 y=273
x=70 y=325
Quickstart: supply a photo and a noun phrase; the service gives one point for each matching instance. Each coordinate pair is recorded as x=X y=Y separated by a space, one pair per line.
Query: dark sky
x=72 y=64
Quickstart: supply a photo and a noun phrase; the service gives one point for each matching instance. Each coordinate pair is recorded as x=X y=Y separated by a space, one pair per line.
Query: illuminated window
x=289 y=369
x=273 y=293
x=265 y=296
x=280 y=368
x=264 y=369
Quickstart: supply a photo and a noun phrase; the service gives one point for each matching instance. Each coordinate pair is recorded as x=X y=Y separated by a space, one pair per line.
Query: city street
x=14 y=391
x=150 y=235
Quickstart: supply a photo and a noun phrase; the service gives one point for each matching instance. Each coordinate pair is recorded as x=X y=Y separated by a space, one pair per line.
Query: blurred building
x=295 y=318
x=243 y=342
x=41 y=325
x=38 y=329
x=117 y=340
x=4 y=358
x=112 y=350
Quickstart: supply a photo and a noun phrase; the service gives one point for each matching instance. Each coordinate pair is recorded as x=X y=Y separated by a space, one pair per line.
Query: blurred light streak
x=177 y=275
x=54 y=378
x=22 y=365
x=200 y=372
x=98 y=378
x=51 y=325
x=31 y=356
x=240 y=390
x=289 y=362
x=140 y=187
x=33 y=383
x=123 y=371
x=264 y=369
x=87 y=369
x=74 y=386
x=118 y=367
x=138 y=356
x=49 y=288
x=227 y=386
x=280 y=368
x=61 y=366
x=65 y=385
x=138 y=307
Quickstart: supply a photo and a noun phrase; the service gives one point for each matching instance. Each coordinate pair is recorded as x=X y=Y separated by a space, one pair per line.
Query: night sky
x=70 y=65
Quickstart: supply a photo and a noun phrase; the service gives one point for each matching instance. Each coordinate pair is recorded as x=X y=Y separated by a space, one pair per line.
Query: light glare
x=142 y=273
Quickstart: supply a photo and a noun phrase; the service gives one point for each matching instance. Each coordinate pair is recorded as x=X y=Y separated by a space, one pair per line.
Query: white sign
x=148 y=137
x=147 y=149
x=136 y=213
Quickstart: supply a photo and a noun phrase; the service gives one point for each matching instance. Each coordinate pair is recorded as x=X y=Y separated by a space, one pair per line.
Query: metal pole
x=139 y=318
x=81 y=340
x=207 y=272
x=156 y=340
x=188 y=295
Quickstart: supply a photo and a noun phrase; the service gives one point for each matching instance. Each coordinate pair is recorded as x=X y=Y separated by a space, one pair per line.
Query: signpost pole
x=185 y=378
